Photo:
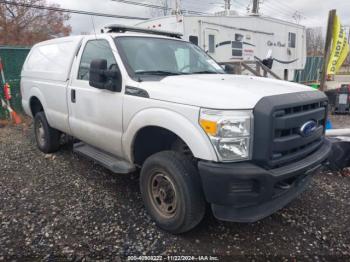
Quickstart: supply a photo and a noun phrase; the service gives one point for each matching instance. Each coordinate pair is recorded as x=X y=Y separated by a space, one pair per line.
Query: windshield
x=157 y=56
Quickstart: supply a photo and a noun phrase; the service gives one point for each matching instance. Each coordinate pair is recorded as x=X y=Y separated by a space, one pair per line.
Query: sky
x=311 y=13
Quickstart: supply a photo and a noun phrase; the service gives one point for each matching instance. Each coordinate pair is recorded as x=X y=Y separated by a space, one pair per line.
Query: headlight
x=230 y=133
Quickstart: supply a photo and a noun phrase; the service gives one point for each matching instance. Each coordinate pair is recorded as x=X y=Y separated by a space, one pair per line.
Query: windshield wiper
x=157 y=72
x=205 y=72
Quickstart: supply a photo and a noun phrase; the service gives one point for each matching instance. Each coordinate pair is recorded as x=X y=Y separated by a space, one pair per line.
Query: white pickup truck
x=143 y=99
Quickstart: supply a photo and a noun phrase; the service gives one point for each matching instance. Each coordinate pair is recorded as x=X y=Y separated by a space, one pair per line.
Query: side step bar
x=106 y=160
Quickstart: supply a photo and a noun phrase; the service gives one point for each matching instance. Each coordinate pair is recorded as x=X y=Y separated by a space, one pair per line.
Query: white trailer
x=242 y=38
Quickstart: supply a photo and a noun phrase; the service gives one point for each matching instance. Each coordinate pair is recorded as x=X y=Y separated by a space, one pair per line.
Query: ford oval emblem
x=308 y=128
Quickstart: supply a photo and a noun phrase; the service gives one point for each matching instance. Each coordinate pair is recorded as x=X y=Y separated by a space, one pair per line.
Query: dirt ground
x=64 y=207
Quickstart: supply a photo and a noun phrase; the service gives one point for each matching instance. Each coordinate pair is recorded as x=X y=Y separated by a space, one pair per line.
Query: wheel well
x=35 y=106
x=153 y=139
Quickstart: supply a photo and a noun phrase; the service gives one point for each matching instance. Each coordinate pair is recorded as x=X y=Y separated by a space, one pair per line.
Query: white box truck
x=232 y=38
x=140 y=99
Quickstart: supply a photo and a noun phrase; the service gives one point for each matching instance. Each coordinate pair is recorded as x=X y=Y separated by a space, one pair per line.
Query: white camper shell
x=242 y=38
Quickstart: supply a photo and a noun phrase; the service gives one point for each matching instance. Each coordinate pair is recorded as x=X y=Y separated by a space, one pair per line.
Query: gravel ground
x=63 y=206
x=340 y=121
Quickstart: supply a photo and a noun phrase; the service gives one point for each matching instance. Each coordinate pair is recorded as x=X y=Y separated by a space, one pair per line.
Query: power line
x=240 y=4
x=286 y=6
x=282 y=13
x=288 y=11
x=149 y=5
x=222 y=4
x=64 y=10
x=235 y=3
x=270 y=6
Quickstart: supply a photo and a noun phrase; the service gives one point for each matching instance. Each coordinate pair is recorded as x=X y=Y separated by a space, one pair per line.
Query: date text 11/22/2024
x=173 y=258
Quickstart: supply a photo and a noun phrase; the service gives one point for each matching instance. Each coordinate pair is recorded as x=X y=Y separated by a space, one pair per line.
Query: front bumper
x=245 y=192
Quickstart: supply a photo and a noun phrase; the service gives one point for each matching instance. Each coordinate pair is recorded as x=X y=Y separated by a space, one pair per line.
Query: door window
x=211 y=44
x=95 y=49
x=291 y=40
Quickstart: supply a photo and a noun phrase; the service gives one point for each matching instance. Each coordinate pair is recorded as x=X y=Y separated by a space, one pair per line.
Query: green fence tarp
x=13 y=59
x=311 y=72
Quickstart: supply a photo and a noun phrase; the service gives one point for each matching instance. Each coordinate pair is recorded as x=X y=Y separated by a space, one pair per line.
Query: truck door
x=95 y=115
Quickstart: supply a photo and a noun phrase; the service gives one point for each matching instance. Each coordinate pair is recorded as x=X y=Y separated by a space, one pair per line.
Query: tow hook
x=283 y=185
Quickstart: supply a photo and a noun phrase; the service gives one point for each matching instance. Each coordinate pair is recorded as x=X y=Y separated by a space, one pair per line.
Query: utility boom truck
x=142 y=99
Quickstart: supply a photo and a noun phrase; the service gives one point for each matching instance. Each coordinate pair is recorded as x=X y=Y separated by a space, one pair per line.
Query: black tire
x=169 y=169
x=47 y=138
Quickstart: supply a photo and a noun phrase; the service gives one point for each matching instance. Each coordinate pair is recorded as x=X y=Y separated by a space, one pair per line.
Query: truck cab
x=146 y=100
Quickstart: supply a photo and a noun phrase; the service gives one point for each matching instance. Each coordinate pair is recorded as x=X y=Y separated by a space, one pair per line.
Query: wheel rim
x=40 y=133
x=163 y=194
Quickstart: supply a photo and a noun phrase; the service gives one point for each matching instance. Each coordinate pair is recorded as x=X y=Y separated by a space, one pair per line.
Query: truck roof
x=143 y=32
x=117 y=28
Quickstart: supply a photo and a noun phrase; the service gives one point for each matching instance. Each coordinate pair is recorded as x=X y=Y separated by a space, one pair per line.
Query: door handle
x=73 y=96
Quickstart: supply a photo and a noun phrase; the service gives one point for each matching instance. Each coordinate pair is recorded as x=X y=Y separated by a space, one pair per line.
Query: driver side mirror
x=103 y=78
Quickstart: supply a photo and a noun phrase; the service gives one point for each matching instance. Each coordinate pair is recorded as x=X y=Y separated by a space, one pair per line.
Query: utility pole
x=256 y=4
x=227 y=7
x=297 y=17
x=177 y=9
x=327 y=49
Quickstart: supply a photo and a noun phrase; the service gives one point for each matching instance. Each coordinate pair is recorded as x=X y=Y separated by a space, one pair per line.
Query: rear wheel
x=47 y=138
x=172 y=193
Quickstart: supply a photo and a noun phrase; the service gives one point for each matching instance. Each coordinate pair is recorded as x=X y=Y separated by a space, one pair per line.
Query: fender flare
x=35 y=92
x=192 y=135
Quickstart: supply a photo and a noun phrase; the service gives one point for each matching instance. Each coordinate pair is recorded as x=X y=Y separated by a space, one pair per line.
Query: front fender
x=35 y=92
x=190 y=133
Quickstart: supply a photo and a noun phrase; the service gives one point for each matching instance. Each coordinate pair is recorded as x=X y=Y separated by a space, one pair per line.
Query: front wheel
x=172 y=193
x=47 y=138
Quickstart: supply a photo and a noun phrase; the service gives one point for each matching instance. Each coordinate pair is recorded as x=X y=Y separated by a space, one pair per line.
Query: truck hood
x=218 y=91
